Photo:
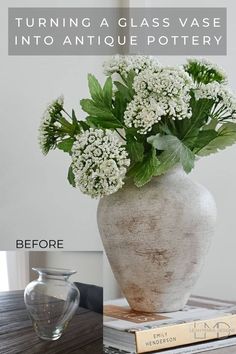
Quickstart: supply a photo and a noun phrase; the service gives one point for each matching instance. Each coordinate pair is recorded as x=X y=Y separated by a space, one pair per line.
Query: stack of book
x=204 y=324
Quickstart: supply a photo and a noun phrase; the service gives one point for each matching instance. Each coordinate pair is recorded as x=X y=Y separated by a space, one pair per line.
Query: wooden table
x=83 y=334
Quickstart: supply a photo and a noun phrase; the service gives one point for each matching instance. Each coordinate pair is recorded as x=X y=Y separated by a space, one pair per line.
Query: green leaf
x=67 y=125
x=204 y=138
x=74 y=119
x=212 y=125
x=130 y=79
x=145 y=170
x=66 y=144
x=167 y=161
x=190 y=141
x=200 y=114
x=123 y=96
x=107 y=92
x=71 y=176
x=197 y=142
x=175 y=151
x=163 y=128
x=95 y=89
x=133 y=169
x=74 y=116
x=120 y=104
x=77 y=128
x=83 y=125
x=108 y=123
x=226 y=136
x=135 y=149
x=90 y=107
x=124 y=90
x=90 y=123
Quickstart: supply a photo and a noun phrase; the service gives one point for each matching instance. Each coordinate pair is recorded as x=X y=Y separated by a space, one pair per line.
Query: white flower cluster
x=47 y=122
x=99 y=162
x=209 y=91
x=159 y=93
x=228 y=101
x=223 y=97
x=208 y=66
x=122 y=64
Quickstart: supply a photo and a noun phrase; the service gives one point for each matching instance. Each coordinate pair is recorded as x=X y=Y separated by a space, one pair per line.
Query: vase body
x=51 y=301
x=156 y=239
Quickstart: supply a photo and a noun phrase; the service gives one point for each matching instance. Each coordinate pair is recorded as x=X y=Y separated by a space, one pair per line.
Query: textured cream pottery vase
x=156 y=239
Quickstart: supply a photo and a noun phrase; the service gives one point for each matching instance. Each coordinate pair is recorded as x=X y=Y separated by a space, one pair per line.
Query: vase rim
x=54 y=271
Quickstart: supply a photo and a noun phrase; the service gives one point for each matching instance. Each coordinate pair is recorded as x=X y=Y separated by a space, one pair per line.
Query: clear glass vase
x=51 y=301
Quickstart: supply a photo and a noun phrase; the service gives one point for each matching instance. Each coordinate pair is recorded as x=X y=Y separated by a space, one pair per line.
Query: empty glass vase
x=51 y=301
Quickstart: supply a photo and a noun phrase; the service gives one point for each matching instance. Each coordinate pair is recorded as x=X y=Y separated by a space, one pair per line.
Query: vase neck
x=54 y=273
x=42 y=276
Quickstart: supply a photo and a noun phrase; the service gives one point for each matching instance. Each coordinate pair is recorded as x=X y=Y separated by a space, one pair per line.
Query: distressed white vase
x=157 y=238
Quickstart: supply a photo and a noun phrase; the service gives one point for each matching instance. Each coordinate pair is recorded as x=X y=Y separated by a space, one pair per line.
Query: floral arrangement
x=144 y=120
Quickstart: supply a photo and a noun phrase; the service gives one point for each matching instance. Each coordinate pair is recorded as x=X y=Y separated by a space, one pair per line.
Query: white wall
x=36 y=199
x=4 y=284
x=111 y=288
x=16 y=271
x=89 y=265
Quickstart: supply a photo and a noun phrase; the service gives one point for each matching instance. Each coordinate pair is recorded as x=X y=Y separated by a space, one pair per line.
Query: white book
x=190 y=349
x=202 y=320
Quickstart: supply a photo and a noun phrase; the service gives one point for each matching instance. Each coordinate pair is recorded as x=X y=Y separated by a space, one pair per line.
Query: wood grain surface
x=84 y=334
